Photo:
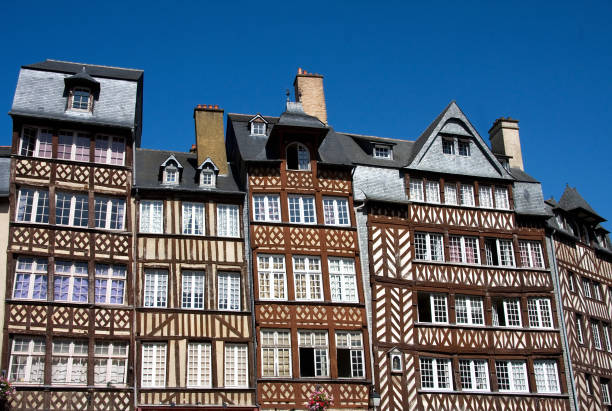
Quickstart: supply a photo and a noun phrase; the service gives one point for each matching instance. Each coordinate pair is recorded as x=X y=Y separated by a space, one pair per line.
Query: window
x=464 y=249
x=69 y=362
x=227 y=220
x=539 y=312
x=266 y=207
x=229 y=291
x=155 y=288
x=153 y=365
x=73 y=146
x=80 y=99
x=463 y=147
x=70 y=282
x=597 y=291
x=428 y=246
x=416 y=189
x=589 y=383
x=298 y=157
x=605 y=391
x=485 y=197
x=313 y=353
x=469 y=310
x=276 y=353
x=307 y=276
x=499 y=252
x=110 y=362
x=302 y=210
x=110 y=283
x=436 y=374
x=151 y=219
x=109 y=213
x=343 y=280
x=272 y=277
x=501 y=198
x=546 y=378
x=193 y=289
x=571 y=278
x=36 y=142
x=448 y=146
x=109 y=150
x=258 y=129
x=30 y=279
x=27 y=361
x=474 y=375
x=207 y=178
x=531 y=254
x=433 y=308
x=605 y=329
x=335 y=211
x=586 y=287
x=33 y=206
x=432 y=191
x=450 y=194
x=193 y=218
x=349 y=354
x=511 y=376
x=506 y=312
x=71 y=209
x=467 y=195
x=199 y=365
x=396 y=362
x=579 y=333
x=596 y=336
x=171 y=175
x=236 y=365
x=382 y=151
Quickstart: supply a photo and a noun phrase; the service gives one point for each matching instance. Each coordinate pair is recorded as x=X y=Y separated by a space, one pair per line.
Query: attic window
x=258 y=129
x=171 y=175
x=463 y=147
x=448 y=146
x=80 y=99
x=298 y=157
x=207 y=178
x=382 y=151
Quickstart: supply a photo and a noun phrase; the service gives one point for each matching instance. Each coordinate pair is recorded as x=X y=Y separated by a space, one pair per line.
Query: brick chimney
x=504 y=136
x=210 y=141
x=309 y=91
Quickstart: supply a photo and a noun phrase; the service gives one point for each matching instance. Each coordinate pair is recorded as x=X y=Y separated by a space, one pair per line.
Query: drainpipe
x=568 y=361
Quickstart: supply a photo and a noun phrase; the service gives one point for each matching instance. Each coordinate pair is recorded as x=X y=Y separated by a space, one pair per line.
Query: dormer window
x=382 y=151
x=463 y=146
x=207 y=178
x=171 y=175
x=448 y=146
x=81 y=90
x=298 y=157
x=258 y=129
x=81 y=99
x=171 y=171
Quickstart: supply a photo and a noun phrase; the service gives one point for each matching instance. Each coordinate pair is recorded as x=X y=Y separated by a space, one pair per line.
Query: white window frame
x=509 y=304
x=312 y=278
x=109 y=141
x=109 y=353
x=256 y=130
x=268 y=206
x=272 y=275
x=571 y=279
x=539 y=312
x=473 y=369
x=596 y=335
x=336 y=211
x=605 y=328
x=75 y=136
x=531 y=254
x=112 y=275
x=432 y=191
x=448 y=142
x=472 y=304
x=208 y=178
x=382 y=151
x=546 y=376
x=429 y=244
x=416 y=190
x=228 y=220
x=72 y=275
x=465 y=144
x=38 y=268
x=199 y=360
x=303 y=157
x=352 y=341
x=343 y=280
x=273 y=343
x=586 y=287
x=312 y=339
x=109 y=219
x=70 y=358
x=437 y=301
x=151 y=216
x=34 y=355
x=236 y=356
x=450 y=194
x=193 y=218
x=513 y=367
x=158 y=295
x=437 y=365
x=485 y=196
x=579 y=330
x=466 y=195
x=71 y=103
x=36 y=137
x=172 y=175
x=597 y=291
x=192 y=282
x=605 y=391
x=228 y=290
x=501 y=198
x=501 y=244
x=83 y=199
x=463 y=244
x=299 y=207
x=37 y=211
x=392 y=357
x=151 y=353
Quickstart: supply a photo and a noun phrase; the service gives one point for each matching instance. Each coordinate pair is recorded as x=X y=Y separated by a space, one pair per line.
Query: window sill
x=494 y=393
x=421 y=202
x=486 y=327
x=70 y=161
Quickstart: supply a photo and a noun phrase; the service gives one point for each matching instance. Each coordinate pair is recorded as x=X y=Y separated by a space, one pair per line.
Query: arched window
x=298 y=157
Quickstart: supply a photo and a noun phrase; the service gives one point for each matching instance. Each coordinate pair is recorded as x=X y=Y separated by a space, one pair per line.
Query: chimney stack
x=504 y=136
x=210 y=141
x=309 y=91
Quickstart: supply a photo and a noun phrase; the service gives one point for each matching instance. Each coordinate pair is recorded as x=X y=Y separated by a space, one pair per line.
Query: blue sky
x=389 y=68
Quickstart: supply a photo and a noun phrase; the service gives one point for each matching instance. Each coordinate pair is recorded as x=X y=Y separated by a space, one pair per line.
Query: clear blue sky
x=389 y=68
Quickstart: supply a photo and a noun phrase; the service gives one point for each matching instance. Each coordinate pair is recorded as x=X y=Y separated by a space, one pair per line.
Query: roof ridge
x=252 y=115
x=95 y=65
x=163 y=151
x=370 y=136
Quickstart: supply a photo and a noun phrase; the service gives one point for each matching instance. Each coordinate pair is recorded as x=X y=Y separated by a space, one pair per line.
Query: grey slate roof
x=147 y=174
x=294 y=115
x=42 y=92
x=382 y=184
x=528 y=199
x=571 y=200
x=5 y=170
x=357 y=149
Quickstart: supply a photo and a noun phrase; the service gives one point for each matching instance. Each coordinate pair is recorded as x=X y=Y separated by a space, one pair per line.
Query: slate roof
x=571 y=200
x=5 y=170
x=147 y=174
x=68 y=67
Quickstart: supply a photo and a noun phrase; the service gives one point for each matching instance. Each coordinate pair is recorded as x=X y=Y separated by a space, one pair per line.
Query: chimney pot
x=216 y=106
x=299 y=70
x=310 y=92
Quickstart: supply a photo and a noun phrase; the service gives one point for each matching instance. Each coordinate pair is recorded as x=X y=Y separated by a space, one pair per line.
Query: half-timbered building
x=193 y=306
x=310 y=317
x=67 y=333
x=582 y=254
